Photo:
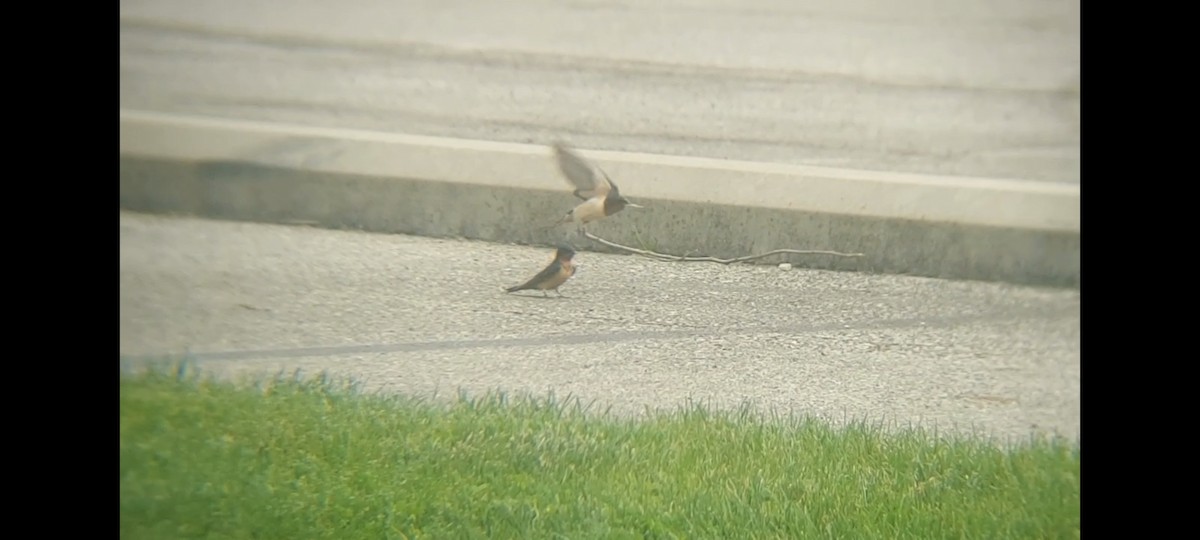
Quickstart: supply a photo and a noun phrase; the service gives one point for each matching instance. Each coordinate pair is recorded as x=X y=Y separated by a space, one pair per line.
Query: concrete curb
x=969 y=228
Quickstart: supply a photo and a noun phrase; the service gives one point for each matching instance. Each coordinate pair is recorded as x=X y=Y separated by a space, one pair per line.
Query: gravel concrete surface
x=420 y=315
x=961 y=87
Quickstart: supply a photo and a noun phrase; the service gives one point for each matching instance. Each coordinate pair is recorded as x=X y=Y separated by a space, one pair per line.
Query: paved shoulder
x=423 y=315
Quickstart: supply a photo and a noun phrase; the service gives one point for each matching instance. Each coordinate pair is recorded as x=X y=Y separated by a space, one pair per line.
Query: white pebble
x=785 y=266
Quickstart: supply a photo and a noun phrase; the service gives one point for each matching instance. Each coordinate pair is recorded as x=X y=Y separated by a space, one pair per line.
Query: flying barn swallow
x=553 y=276
x=600 y=195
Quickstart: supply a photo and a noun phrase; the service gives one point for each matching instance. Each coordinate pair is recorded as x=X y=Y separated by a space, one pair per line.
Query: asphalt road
x=420 y=315
x=964 y=87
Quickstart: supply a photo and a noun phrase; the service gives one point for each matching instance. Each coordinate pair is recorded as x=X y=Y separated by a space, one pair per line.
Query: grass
x=291 y=458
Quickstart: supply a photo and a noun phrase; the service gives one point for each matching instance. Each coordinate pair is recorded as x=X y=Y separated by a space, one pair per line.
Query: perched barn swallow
x=600 y=195
x=553 y=276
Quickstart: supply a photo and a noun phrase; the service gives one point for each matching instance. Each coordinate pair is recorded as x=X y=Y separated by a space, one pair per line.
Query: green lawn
x=314 y=459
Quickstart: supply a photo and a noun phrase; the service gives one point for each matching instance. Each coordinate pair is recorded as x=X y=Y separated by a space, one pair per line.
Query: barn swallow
x=601 y=197
x=553 y=276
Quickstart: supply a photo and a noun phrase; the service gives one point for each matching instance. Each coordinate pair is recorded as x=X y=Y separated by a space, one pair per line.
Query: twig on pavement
x=685 y=258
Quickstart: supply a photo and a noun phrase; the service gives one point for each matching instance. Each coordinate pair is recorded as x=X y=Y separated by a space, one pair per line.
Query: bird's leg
x=544 y=293
x=560 y=294
x=581 y=233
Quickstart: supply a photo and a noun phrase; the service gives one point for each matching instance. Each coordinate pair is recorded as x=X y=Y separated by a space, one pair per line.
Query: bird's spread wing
x=588 y=179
